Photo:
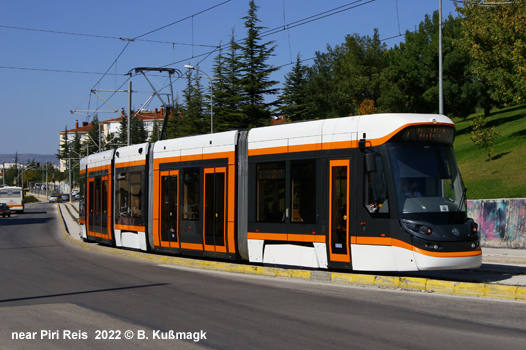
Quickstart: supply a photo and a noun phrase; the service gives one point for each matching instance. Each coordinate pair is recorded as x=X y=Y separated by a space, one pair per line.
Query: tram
x=377 y=192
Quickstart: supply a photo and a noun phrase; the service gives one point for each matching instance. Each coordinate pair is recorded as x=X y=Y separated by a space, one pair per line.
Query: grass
x=30 y=199
x=505 y=175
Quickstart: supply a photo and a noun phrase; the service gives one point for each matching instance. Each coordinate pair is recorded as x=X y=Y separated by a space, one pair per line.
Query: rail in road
x=502 y=275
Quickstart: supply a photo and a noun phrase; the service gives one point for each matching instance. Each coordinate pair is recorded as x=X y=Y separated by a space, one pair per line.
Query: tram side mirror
x=370 y=162
x=362 y=143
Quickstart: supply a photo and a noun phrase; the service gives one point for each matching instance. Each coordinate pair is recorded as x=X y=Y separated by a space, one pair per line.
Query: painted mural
x=502 y=222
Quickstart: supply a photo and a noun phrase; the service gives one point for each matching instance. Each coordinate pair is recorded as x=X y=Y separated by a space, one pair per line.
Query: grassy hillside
x=505 y=175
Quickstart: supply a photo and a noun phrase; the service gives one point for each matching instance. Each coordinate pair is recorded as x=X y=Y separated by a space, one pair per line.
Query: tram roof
x=198 y=144
x=378 y=128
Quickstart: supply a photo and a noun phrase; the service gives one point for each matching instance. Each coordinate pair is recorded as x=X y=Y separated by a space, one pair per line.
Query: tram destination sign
x=426 y=133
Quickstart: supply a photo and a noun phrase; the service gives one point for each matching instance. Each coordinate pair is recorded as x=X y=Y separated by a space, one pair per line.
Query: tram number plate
x=338 y=245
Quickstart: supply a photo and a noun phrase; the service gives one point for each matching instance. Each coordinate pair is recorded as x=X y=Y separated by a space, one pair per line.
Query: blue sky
x=54 y=52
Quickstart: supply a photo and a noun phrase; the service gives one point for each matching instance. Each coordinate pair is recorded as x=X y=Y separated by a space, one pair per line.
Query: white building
x=110 y=126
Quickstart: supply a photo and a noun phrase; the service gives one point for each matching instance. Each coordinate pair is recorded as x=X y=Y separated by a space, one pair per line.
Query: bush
x=30 y=199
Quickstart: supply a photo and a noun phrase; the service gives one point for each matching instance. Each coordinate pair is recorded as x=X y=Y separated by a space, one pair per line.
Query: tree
x=91 y=144
x=483 y=136
x=293 y=99
x=76 y=145
x=156 y=131
x=415 y=70
x=256 y=83
x=138 y=133
x=227 y=89
x=64 y=150
x=122 y=135
x=194 y=121
x=326 y=97
x=365 y=60
x=343 y=77
x=495 y=38
x=172 y=125
x=367 y=107
x=410 y=84
x=463 y=91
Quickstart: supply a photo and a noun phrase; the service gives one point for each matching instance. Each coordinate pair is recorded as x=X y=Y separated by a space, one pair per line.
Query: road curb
x=480 y=290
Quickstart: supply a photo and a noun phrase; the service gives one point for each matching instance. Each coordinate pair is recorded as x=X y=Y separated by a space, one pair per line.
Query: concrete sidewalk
x=504 y=256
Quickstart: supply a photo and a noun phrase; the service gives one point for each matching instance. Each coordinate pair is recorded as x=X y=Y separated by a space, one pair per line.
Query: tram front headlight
x=426 y=229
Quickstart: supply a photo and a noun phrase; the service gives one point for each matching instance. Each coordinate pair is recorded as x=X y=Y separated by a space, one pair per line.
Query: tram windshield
x=427 y=180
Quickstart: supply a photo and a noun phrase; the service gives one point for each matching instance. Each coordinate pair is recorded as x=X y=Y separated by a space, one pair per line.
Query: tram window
x=97 y=202
x=129 y=194
x=169 y=211
x=91 y=201
x=303 y=187
x=376 y=189
x=271 y=192
x=191 y=194
x=82 y=199
x=136 y=193
x=123 y=196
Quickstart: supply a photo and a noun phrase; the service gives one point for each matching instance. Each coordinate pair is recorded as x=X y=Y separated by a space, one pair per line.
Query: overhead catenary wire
x=318 y=16
x=303 y=21
x=205 y=55
x=153 y=31
x=105 y=36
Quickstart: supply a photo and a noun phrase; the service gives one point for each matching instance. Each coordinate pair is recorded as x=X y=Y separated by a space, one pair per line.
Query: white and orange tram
x=371 y=193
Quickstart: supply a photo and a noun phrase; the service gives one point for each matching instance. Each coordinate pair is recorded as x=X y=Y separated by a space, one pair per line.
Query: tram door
x=214 y=209
x=98 y=205
x=169 y=208
x=339 y=211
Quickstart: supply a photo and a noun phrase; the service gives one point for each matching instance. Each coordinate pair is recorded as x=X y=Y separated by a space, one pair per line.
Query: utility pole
x=440 y=77
x=129 y=110
x=69 y=168
x=114 y=110
x=47 y=183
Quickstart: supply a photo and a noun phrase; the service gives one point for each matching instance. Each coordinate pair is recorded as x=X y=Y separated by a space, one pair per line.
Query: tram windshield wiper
x=459 y=206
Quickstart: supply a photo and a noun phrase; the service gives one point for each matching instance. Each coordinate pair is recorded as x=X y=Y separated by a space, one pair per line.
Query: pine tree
x=172 y=125
x=156 y=131
x=63 y=153
x=91 y=144
x=293 y=99
x=122 y=135
x=227 y=89
x=194 y=121
x=255 y=82
x=138 y=133
x=76 y=145
x=75 y=154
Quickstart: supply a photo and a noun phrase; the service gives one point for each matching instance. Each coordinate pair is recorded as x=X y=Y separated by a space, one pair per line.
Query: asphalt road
x=52 y=292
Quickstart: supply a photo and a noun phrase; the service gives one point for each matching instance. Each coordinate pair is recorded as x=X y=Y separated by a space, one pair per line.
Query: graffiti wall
x=502 y=222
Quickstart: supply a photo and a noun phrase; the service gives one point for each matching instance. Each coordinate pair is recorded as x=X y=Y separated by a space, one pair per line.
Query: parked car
x=4 y=210
x=65 y=197
x=54 y=198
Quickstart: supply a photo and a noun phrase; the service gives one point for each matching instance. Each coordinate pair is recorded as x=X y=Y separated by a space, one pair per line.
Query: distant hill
x=24 y=158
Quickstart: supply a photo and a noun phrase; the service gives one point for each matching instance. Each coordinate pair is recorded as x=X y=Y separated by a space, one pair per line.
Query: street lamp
x=187 y=66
